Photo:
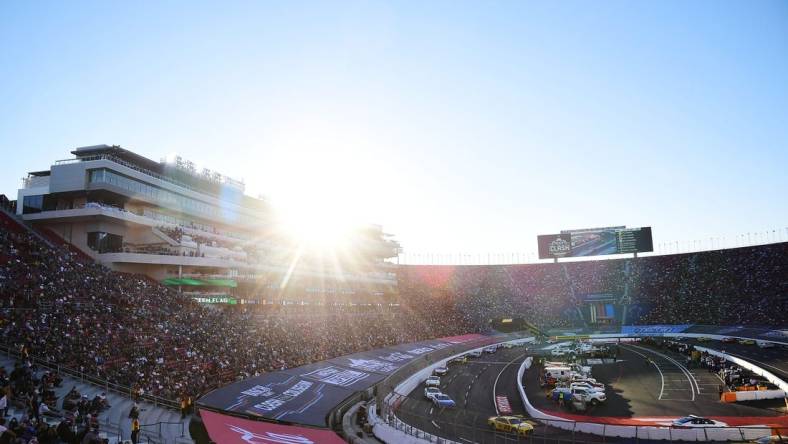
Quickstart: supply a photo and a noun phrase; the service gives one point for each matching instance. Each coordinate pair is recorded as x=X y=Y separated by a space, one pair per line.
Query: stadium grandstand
x=194 y=230
x=393 y=222
x=154 y=280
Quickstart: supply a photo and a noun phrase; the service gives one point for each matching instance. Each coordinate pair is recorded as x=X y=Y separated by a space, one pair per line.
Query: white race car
x=692 y=421
x=430 y=392
x=433 y=381
x=440 y=371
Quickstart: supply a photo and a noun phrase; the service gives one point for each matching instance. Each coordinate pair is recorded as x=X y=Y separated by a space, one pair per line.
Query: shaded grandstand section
x=742 y=286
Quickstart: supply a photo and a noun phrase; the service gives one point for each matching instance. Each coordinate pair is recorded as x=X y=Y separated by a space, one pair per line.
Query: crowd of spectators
x=131 y=331
x=42 y=420
x=743 y=286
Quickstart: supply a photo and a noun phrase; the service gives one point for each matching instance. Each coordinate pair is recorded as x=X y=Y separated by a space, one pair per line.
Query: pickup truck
x=596 y=387
x=591 y=397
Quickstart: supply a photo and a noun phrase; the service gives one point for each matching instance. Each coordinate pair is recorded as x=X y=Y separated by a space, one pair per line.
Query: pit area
x=645 y=385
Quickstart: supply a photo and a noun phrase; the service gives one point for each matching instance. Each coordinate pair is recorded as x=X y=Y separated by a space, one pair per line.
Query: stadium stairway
x=159 y=425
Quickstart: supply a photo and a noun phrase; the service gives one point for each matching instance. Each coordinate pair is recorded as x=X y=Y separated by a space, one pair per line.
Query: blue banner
x=653 y=330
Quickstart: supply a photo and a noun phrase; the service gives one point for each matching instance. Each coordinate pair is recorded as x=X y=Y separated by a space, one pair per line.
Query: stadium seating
x=128 y=330
x=742 y=286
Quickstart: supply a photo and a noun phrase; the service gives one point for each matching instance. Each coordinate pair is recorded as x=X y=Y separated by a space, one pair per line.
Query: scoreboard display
x=595 y=242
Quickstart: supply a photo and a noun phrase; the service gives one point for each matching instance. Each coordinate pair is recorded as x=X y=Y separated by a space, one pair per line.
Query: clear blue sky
x=459 y=126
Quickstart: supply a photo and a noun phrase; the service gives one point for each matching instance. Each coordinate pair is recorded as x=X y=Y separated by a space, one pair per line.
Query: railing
x=86 y=377
x=158 y=425
x=133 y=167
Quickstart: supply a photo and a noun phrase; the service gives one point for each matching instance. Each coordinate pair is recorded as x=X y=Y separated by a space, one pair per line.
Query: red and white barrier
x=502 y=403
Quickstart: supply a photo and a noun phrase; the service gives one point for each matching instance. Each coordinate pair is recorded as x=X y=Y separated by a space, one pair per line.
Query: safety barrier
x=752 y=395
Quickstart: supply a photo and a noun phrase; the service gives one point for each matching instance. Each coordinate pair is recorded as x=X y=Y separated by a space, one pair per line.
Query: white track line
x=661 y=376
x=495 y=404
x=693 y=383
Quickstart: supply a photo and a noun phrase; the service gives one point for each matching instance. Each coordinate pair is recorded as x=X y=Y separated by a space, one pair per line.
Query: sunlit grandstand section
x=197 y=231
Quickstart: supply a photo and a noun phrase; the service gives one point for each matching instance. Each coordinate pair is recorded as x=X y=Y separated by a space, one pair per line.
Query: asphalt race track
x=471 y=386
x=638 y=388
x=639 y=391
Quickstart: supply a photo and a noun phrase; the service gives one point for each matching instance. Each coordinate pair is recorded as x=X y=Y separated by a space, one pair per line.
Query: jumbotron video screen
x=595 y=242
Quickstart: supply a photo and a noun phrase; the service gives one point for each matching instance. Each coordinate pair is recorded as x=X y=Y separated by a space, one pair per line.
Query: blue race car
x=442 y=401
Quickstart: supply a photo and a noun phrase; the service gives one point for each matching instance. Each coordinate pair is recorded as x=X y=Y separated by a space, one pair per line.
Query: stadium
x=138 y=297
x=393 y=222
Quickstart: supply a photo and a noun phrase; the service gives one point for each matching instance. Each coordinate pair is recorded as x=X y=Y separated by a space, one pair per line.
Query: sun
x=318 y=221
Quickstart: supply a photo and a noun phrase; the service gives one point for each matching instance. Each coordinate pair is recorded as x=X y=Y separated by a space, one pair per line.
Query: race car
x=490 y=349
x=703 y=339
x=511 y=424
x=693 y=421
x=459 y=360
x=440 y=371
x=728 y=340
x=433 y=381
x=430 y=392
x=746 y=341
x=474 y=353
x=442 y=401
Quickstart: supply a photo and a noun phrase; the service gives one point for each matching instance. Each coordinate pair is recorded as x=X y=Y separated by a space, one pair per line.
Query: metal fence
x=86 y=377
x=151 y=433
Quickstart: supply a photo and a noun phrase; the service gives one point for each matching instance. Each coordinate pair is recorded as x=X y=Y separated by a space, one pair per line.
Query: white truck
x=583 y=371
x=580 y=394
x=563 y=373
x=588 y=386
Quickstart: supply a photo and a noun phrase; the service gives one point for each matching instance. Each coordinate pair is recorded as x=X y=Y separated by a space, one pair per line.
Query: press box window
x=33 y=204
x=105 y=242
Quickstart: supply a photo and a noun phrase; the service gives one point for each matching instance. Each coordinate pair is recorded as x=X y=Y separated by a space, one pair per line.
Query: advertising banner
x=595 y=242
x=231 y=430
x=552 y=246
x=279 y=396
